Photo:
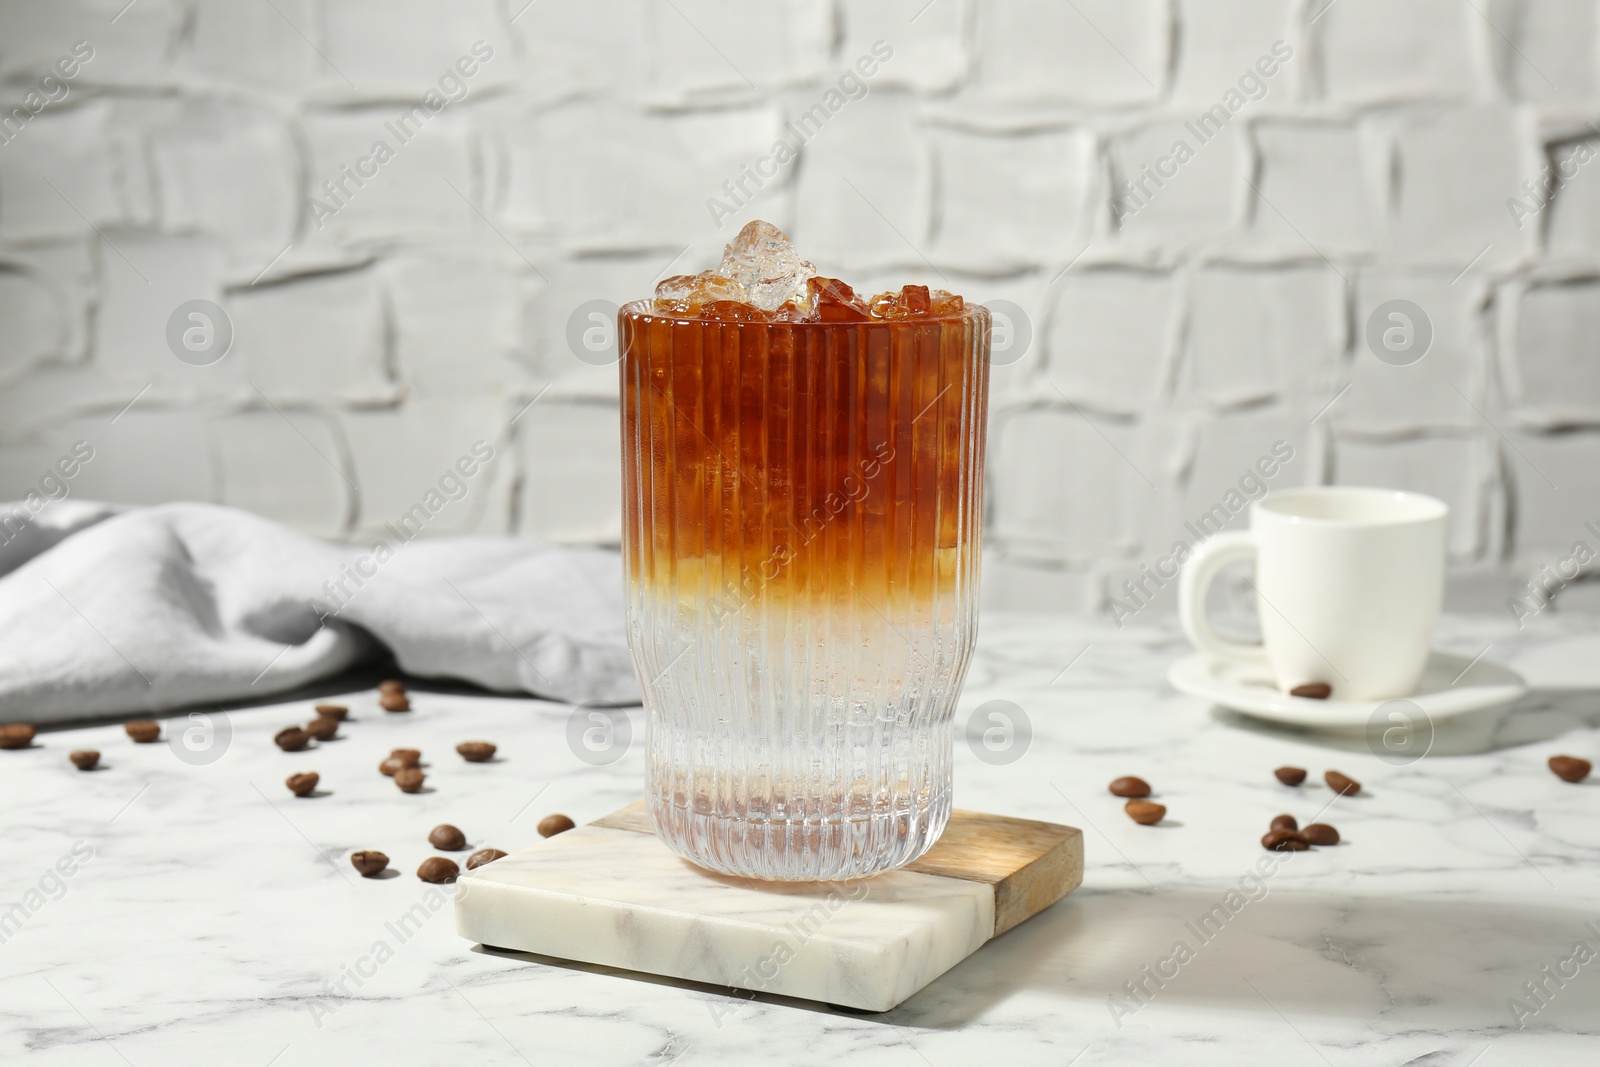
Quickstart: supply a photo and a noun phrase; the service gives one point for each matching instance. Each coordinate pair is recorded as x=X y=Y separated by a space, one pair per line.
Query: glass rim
x=641 y=310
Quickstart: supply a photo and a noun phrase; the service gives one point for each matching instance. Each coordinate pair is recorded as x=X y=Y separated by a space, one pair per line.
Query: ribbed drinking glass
x=802 y=515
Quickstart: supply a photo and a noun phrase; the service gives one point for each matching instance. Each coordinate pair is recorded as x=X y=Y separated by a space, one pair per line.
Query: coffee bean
x=302 y=785
x=551 y=825
x=482 y=856
x=1342 y=784
x=394 y=702
x=332 y=711
x=291 y=739
x=391 y=685
x=399 y=759
x=322 y=728
x=409 y=779
x=1570 y=768
x=1291 y=775
x=1284 y=841
x=16 y=735
x=476 y=751
x=447 y=837
x=438 y=869
x=1129 y=786
x=1312 y=691
x=1145 y=812
x=1285 y=822
x=86 y=760
x=143 y=731
x=369 y=862
x=1320 y=833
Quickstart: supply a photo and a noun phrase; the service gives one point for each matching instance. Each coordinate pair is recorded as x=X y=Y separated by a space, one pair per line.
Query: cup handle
x=1201 y=569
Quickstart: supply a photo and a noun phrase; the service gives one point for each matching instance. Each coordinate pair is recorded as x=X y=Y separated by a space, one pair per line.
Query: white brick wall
x=1371 y=157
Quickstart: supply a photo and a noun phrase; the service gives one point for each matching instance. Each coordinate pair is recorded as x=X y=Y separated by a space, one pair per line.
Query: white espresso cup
x=1348 y=585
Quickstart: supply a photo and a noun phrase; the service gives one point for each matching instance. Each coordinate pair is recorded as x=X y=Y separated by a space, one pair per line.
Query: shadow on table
x=365 y=676
x=1540 y=715
x=1447 y=964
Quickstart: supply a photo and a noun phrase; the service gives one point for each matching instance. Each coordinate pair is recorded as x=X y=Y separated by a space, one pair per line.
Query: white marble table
x=212 y=918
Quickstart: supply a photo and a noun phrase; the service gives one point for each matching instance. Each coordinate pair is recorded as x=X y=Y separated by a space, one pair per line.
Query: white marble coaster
x=618 y=897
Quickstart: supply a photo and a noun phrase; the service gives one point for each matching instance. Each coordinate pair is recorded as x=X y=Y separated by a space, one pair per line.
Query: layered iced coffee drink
x=802 y=472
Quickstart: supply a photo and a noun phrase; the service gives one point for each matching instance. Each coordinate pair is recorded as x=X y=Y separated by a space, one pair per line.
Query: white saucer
x=1249 y=688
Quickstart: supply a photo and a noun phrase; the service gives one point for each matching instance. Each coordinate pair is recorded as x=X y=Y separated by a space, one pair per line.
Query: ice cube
x=687 y=293
x=733 y=311
x=676 y=289
x=915 y=302
x=834 y=301
x=763 y=263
